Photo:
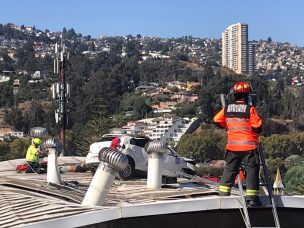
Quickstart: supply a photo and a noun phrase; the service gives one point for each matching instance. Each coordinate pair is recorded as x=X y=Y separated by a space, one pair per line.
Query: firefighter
x=243 y=126
x=32 y=155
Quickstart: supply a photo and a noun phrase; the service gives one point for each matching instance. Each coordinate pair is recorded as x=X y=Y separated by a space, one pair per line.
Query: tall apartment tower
x=237 y=54
x=251 y=57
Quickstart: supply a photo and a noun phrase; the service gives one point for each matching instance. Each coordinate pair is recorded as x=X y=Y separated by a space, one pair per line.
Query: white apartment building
x=167 y=128
x=134 y=128
x=237 y=54
x=251 y=57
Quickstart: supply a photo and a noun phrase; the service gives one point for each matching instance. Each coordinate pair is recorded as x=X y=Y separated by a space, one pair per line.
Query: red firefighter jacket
x=241 y=121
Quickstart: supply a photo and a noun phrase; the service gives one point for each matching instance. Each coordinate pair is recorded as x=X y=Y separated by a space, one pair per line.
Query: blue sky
x=282 y=20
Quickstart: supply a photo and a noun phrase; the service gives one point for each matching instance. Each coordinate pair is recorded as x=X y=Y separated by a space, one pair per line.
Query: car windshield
x=107 y=138
x=171 y=152
x=141 y=142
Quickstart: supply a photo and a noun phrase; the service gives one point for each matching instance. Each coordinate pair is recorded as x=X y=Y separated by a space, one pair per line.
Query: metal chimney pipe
x=53 y=147
x=155 y=149
x=111 y=162
x=38 y=132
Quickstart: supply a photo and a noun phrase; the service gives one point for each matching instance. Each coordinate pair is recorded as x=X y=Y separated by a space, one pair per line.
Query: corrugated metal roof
x=26 y=198
x=22 y=207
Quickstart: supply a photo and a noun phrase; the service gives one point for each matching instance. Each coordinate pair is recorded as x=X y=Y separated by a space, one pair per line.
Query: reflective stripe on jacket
x=31 y=154
x=239 y=127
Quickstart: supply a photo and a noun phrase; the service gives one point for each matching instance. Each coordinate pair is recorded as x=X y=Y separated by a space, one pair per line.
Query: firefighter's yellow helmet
x=37 y=141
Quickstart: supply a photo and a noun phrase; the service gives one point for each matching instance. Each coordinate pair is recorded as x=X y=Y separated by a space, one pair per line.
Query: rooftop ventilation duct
x=38 y=132
x=111 y=162
x=54 y=148
x=155 y=149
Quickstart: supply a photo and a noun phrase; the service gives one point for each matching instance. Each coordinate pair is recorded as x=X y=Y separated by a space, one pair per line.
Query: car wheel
x=128 y=172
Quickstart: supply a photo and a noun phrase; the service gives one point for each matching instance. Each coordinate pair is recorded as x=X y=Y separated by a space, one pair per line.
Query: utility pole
x=61 y=91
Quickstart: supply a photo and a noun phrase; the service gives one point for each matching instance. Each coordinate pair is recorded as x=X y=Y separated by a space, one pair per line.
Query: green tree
x=208 y=73
x=98 y=125
x=273 y=165
x=14 y=118
x=298 y=139
x=294 y=180
x=115 y=53
x=4 y=151
x=279 y=146
x=204 y=146
x=288 y=105
x=36 y=115
x=133 y=48
x=26 y=57
x=206 y=101
x=276 y=98
x=136 y=104
x=186 y=110
x=18 y=148
x=70 y=142
x=7 y=63
x=6 y=94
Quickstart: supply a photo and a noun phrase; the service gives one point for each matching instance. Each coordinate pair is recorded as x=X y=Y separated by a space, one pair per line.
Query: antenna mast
x=61 y=91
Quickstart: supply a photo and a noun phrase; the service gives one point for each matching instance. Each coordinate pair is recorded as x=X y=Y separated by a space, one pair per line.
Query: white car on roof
x=133 y=148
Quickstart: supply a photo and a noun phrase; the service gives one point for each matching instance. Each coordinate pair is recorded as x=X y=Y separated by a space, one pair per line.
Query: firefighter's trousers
x=250 y=159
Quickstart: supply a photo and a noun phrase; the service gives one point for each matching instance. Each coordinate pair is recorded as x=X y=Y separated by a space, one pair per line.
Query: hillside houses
x=183 y=97
x=274 y=57
x=167 y=98
x=8 y=131
x=164 y=107
x=271 y=57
